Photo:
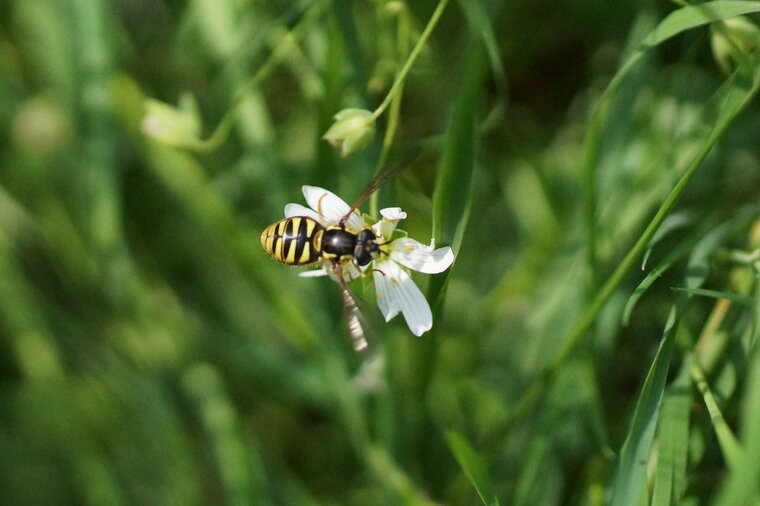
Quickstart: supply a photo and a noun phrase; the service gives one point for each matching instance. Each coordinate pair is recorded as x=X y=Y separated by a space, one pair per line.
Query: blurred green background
x=153 y=354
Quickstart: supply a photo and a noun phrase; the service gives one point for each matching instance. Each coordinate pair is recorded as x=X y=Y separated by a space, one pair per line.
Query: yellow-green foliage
x=594 y=165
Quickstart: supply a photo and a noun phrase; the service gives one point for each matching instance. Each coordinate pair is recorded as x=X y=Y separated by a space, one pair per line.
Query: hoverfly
x=302 y=241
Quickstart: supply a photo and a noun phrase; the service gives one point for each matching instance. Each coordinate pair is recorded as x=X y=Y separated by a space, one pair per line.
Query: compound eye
x=367 y=235
x=363 y=258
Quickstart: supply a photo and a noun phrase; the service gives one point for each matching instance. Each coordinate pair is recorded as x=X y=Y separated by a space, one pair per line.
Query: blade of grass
x=342 y=12
x=240 y=468
x=29 y=340
x=630 y=475
x=390 y=474
x=677 y=22
x=672 y=257
x=728 y=442
x=473 y=466
x=673 y=438
x=685 y=18
x=98 y=165
x=726 y=104
x=716 y=294
x=631 y=470
x=246 y=88
x=692 y=16
x=675 y=221
x=452 y=197
x=741 y=486
x=480 y=22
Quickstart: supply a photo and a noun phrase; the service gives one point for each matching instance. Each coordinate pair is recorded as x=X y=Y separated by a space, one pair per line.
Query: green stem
x=395 y=88
x=590 y=162
x=283 y=49
x=394 y=113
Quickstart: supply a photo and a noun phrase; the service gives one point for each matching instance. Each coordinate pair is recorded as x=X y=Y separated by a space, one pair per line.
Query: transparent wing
x=354 y=318
x=380 y=178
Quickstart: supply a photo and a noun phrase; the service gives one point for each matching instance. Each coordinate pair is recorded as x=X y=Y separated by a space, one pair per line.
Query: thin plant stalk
x=397 y=84
x=283 y=49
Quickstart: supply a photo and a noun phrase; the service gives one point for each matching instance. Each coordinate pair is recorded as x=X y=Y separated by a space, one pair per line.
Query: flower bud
x=353 y=130
x=174 y=126
x=736 y=34
x=394 y=7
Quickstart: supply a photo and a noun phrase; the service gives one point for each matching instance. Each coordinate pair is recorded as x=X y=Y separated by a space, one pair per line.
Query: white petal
x=385 y=227
x=299 y=210
x=393 y=213
x=378 y=229
x=349 y=271
x=330 y=207
x=397 y=292
x=419 y=257
x=313 y=274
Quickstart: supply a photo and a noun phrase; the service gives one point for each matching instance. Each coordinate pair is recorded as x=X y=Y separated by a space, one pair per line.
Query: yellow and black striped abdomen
x=293 y=241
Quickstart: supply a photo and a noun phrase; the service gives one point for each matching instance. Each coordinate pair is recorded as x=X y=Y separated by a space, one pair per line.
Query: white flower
x=394 y=289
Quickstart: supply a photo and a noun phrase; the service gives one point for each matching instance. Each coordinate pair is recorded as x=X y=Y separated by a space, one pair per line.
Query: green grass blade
x=693 y=16
x=728 y=442
x=631 y=471
x=241 y=472
x=675 y=221
x=741 y=486
x=679 y=21
x=723 y=108
x=154 y=354
x=716 y=294
x=452 y=197
x=99 y=172
x=672 y=257
x=673 y=437
x=480 y=22
x=630 y=476
x=473 y=466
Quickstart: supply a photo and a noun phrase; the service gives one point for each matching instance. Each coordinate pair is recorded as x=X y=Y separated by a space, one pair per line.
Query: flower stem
x=283 y=49
x=395 y=88
x=402 y=38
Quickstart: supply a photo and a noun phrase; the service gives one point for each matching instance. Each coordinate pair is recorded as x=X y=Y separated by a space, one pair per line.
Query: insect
x=302 y=240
